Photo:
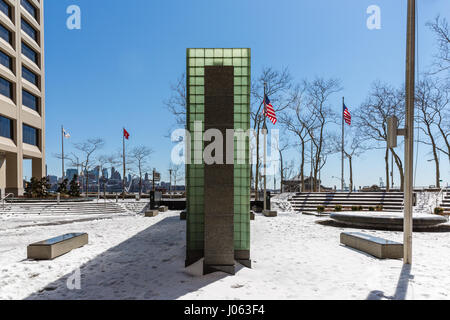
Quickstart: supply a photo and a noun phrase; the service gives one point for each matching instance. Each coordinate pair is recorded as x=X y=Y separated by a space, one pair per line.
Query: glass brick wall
x=197 y=59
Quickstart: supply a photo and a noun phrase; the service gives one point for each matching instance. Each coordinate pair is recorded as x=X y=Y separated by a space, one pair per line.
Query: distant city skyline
x=95 y=87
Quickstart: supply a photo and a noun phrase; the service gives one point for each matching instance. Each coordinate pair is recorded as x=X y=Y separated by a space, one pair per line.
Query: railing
x=440 y=197
x=4 y=198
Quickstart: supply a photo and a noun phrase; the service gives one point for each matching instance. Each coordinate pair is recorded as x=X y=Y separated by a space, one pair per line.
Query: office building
x=22 y=88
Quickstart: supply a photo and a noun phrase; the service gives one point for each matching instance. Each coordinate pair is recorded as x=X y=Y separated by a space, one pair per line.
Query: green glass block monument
x=218 y=194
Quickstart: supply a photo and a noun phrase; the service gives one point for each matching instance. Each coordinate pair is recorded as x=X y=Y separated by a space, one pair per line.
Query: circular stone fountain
x=386 y=220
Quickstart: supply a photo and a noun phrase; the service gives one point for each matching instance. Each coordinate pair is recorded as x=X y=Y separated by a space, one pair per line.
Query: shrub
x=74 y=187
x=320 y=209
x=360 y=208
x=338 y=208
x=62 y=187
x=37 y=188
x=379 y=207
x=439 y=211
x=371 y=209
x=355 y=208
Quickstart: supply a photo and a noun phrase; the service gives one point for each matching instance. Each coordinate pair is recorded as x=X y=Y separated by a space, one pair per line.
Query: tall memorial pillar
x=218 y=193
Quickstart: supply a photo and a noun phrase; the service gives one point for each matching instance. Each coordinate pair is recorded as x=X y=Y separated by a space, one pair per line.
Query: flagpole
x=342 y=149
x=123 y=155
x=62 y=152
x=265 y=147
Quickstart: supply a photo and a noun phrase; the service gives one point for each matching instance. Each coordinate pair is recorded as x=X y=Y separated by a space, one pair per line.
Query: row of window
x=30 y=134
x=29 y=100
x=6 y=60
x=6 y=35
x=29 y=7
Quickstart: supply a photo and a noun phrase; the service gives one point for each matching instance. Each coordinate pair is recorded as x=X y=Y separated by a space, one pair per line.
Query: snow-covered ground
x=133 y=257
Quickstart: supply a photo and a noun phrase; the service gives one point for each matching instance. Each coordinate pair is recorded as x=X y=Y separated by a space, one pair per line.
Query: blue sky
x=117 y=70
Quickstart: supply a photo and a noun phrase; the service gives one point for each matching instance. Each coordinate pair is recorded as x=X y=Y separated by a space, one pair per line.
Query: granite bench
x=55 y=247
x=377 y=247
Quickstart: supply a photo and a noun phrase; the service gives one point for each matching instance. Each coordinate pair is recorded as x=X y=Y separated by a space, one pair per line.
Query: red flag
x=126 y=134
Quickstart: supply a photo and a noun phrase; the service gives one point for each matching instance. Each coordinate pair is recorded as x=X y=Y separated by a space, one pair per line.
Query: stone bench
x=151 y=213
x=163 y=209
x=270 y=213
x=55 y=247
x=377 y=247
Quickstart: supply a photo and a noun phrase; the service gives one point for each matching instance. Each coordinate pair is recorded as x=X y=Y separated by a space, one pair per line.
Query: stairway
x=391 y=201
x=64 y=208
x=136 y=207
x=446 y=202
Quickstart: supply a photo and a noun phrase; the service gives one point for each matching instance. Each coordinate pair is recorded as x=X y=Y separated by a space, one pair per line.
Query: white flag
x=66 y=134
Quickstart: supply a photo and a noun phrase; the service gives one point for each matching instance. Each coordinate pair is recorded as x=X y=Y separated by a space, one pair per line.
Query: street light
x=407 y=132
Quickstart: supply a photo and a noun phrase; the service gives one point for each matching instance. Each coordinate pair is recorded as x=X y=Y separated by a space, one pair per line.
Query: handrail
x=4 y=198
x=440 y=195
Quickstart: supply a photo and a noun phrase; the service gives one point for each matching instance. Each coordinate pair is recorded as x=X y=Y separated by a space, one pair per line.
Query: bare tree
x=431 y=101
x=353 y=147
x=177 y=102
x=383 y=102
x=177 y=173
x=141 y=155
x=318 y=93
x=282 y=146
x=299 y=121
x=278 y=88
x=106 y=161
x=442 y=32
x=88 y=149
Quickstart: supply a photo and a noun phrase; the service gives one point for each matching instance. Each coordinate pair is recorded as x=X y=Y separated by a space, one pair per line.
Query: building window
x=30 y=135
x=30 y=100
x=29 y=30
x=5 y=8
x=5 y=34
x=29 y=75
x=6 y=128
x=29 y=53
x=5 y=60
x=29 y=7
x=6 y=88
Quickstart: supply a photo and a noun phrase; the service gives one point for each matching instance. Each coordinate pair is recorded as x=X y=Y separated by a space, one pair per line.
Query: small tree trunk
x=281 y=171
x=302 y=167
x=399 y=164
x=257 y=164
x=386 y=160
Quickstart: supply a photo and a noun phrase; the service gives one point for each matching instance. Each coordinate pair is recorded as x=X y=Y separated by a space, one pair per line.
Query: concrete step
x=314 y=208
x=340 y=201
x=64 y=208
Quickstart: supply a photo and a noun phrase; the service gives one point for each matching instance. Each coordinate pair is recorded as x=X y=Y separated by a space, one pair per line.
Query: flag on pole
x=347 y=116
x=66 y=134
x=269 y=111
x=126 y=134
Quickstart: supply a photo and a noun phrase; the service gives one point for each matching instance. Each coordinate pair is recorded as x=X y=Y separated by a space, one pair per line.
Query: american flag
x=269 y=112
x=347 y=116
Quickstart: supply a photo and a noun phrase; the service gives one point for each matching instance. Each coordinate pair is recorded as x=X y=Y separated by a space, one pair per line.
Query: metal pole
x=312 y=164
x=342 y=149
x=409 y=134
x=123 y=178
x=62 y=151
x=170 y=183
x=153 y=179
x=265 y=146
